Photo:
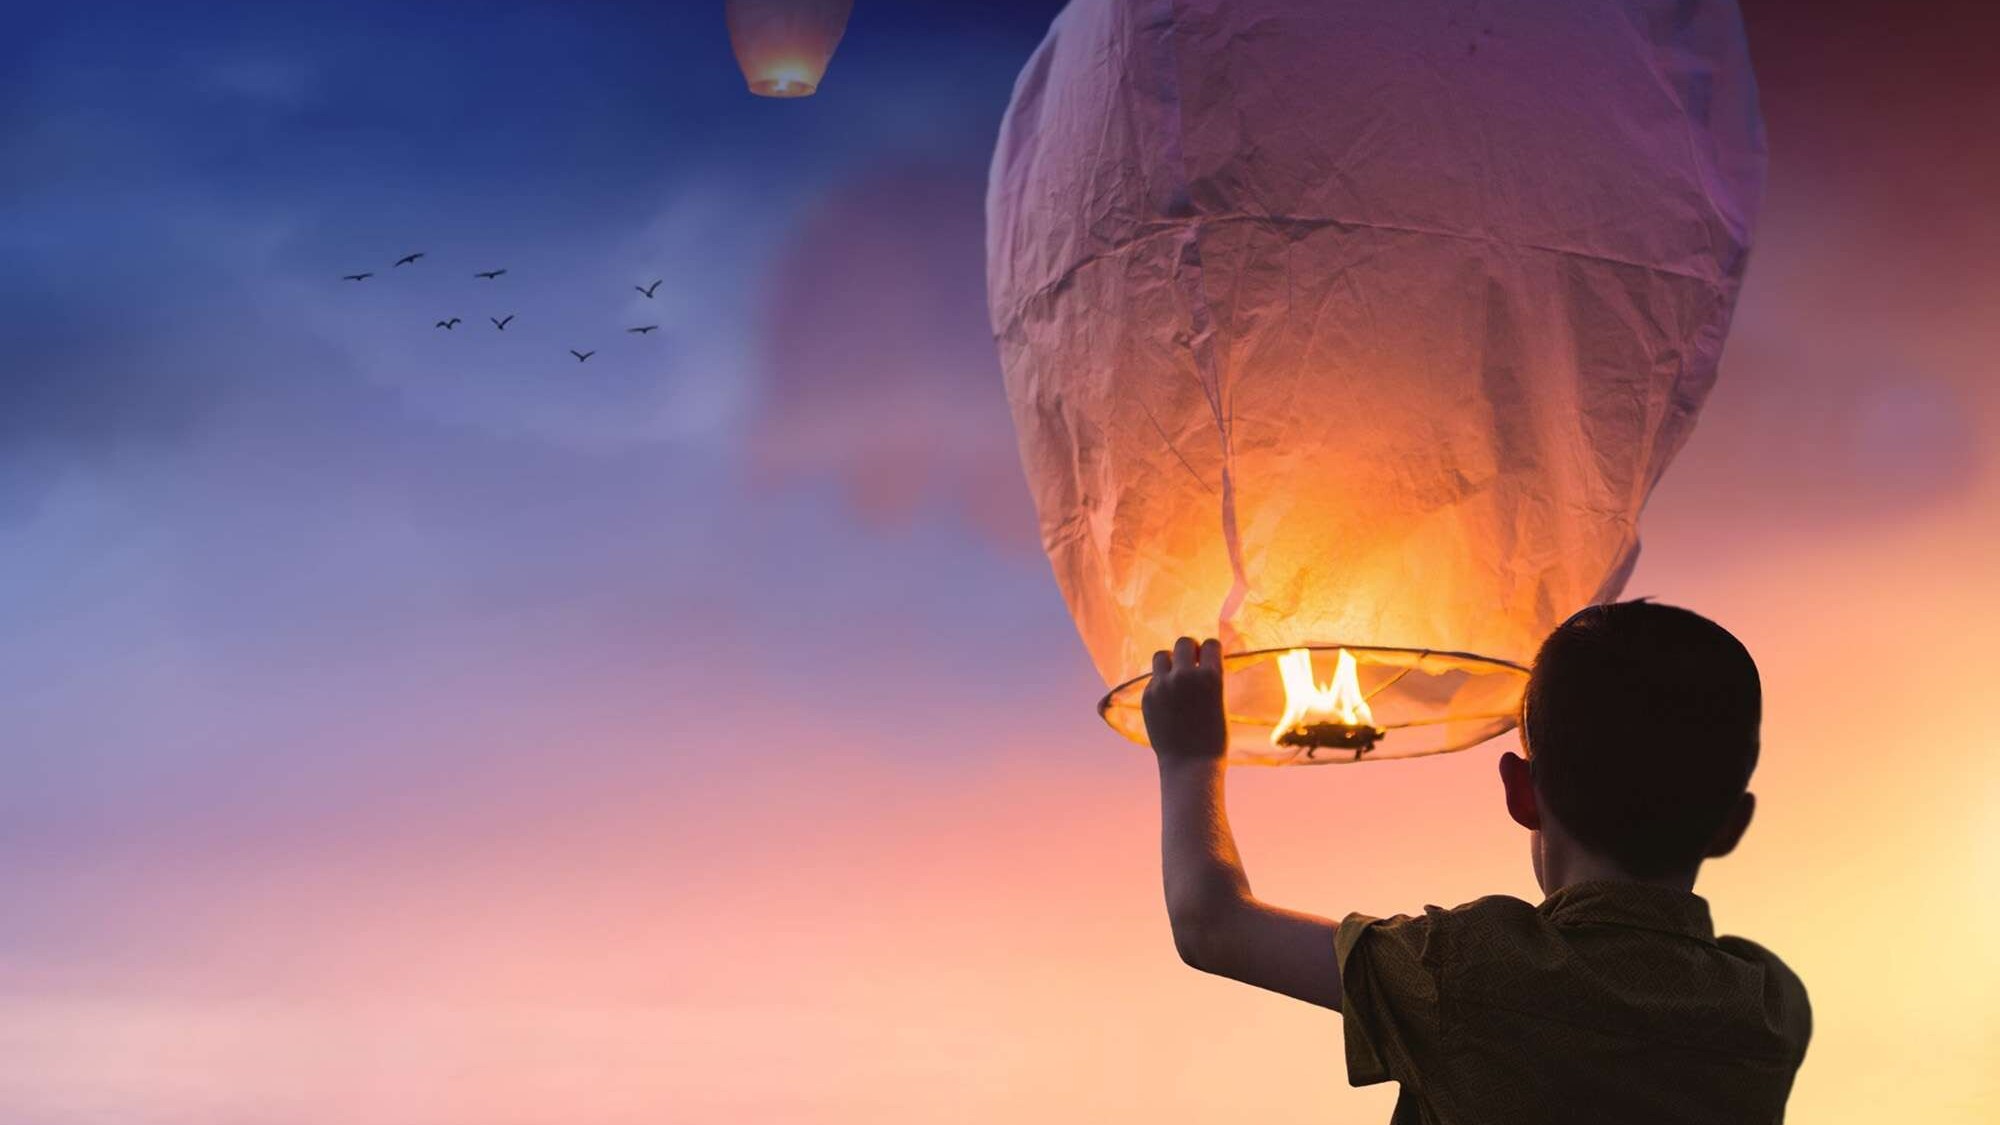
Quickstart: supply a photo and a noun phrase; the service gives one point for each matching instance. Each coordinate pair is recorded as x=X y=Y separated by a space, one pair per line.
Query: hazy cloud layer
x=879 y=364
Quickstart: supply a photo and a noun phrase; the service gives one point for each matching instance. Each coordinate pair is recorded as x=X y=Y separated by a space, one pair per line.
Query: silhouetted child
x=1611 y=1002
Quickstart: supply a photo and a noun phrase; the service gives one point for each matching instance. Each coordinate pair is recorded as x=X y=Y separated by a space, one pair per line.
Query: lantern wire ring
x=1124 y=695
x=1417 y=655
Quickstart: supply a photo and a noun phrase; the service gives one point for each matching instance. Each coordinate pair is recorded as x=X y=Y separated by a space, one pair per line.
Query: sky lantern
x=1357 y=334
x=783 y=46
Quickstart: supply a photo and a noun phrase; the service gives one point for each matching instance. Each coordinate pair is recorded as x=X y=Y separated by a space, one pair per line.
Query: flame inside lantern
x=1416 y=701
x=1330 y=714
x=783 y=46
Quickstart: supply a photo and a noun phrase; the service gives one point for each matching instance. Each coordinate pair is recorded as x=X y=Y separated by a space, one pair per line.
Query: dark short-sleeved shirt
x=1609 y=1002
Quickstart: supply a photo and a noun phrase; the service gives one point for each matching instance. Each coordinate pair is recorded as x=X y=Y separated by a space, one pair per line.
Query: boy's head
x=1640 y=722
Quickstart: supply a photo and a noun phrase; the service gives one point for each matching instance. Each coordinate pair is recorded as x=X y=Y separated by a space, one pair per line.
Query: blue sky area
x=252 y=513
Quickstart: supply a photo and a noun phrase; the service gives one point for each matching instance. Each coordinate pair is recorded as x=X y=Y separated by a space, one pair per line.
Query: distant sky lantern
x=1357 y=334
x=783 y=46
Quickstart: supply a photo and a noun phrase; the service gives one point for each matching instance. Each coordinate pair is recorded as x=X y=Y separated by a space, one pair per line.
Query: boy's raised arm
x=1219 y=926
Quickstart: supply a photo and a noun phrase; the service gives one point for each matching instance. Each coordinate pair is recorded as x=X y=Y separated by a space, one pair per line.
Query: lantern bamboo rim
x=1481 y=725
x=783 y=87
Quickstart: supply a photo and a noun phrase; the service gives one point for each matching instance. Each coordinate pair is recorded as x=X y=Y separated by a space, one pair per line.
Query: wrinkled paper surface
x=1363 y=322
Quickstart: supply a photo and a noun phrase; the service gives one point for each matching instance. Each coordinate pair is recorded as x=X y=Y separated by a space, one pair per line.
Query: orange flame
x=1307 y=700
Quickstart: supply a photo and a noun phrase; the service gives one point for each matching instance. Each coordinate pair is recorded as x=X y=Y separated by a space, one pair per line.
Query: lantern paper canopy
x=783 y=46
x=1362 y=328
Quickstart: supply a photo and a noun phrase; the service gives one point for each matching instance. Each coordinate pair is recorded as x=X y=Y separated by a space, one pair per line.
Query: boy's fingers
x=1184 y=653
x=1163 y=662
x=1211 y=654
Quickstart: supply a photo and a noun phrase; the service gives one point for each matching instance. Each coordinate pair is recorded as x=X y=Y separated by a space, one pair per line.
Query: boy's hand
x=1183 y=702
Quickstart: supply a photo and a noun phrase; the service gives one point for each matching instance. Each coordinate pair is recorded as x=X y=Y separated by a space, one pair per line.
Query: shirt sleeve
x=1389 y=978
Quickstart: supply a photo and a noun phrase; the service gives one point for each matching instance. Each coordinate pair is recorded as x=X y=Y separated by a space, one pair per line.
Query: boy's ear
x=1726 y=837
x=1520 y=787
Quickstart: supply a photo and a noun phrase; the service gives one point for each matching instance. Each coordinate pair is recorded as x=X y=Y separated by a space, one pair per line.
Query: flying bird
x=356 y=276
x=490 y=274
x=501 y=323
x=581 y=356
x=643 y=331
x=648 y=289
x=448 y=325
x=408 y=258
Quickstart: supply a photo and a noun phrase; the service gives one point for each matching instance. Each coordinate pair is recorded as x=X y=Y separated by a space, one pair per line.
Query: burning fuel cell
x=1334 y=714
x=1316 y=351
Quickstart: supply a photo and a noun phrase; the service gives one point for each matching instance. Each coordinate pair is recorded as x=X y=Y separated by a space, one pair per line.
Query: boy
x=1612 y=1001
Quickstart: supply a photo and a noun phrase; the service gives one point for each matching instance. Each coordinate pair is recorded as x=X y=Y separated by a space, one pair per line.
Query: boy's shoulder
x=1752 y=951
x=1619 y=951
x=1441 y=941
x=1784 y=993
x=1499 y=944
x=1500 y=1001
x=1497 y=931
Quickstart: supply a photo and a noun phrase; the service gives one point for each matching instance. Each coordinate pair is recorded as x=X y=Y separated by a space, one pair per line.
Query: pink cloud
x=879 y=364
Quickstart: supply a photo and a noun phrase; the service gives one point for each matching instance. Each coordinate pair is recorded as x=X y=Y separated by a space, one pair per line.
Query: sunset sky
x=401 y=726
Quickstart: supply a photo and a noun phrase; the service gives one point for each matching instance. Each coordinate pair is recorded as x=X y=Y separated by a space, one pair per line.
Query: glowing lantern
x=783 y=46
x=1357 y=333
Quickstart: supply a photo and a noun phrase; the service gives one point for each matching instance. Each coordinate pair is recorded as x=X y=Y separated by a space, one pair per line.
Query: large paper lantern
x=783 y=46
x=1362 y=329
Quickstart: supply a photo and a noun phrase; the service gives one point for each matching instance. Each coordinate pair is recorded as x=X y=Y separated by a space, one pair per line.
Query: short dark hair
x=1640 y=721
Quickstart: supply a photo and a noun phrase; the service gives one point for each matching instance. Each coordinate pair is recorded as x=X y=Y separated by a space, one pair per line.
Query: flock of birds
x=500 y=323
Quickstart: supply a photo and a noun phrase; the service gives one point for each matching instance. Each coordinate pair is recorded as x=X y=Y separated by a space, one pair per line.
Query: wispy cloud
x=879 y=365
